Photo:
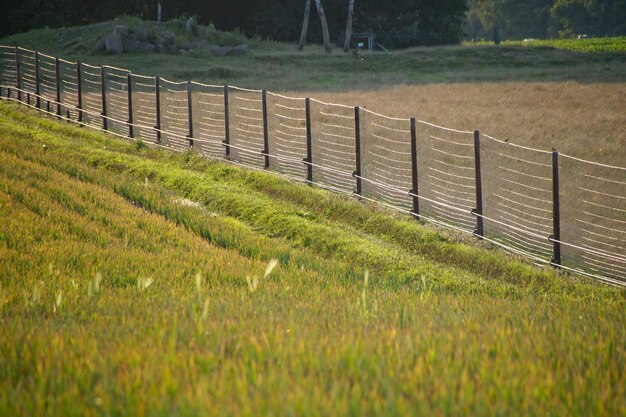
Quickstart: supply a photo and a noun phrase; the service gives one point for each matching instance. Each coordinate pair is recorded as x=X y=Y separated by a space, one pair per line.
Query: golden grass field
x=583 y=120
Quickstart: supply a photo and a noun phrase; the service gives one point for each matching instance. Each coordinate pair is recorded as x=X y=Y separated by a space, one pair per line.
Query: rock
x=121 y=30
x=160 y=49
x=147 y=47
x=131 y=44
x=239 y=50
x=113 y=44
x=141 y=34
x=217 y=51
x=100 y=45
x=172 y=49
x=169 y=36
x=199 y=44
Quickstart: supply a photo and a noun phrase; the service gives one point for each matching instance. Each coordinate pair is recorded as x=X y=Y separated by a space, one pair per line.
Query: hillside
x=132 y=283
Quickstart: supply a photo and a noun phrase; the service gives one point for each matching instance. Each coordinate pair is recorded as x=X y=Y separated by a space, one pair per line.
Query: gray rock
x=217 y=51
x=131 y=44
x=169 y=36
x=172 y=49
x=113 y=44
x=199 y=44
x=100 y=45
x=141 y=34
x=121 y=30
x=239 y=50
x=160 y=49
x=147 y=47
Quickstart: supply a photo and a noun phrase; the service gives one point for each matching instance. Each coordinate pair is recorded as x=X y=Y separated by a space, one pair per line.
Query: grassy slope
x=275 y=66
x=442 y=328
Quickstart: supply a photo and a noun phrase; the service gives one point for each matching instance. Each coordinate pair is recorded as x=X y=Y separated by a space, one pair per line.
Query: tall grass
x=313 y=338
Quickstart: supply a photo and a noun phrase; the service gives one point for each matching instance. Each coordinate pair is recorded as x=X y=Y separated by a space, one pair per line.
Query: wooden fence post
x=309 y=141
x=226 y=140
x=266 y=138
x=556 y=212
x=478 y=211
x=414 y=177
x=357 y=148
x=189 y=115
x=129 y=90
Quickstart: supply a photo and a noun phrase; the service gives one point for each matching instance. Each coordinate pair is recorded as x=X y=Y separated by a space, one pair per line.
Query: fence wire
x=333 y=145
x=518 y=183
x=593 y=218
x=386 y=159
x=287 y=134
x=517 y=194
x=208 y=119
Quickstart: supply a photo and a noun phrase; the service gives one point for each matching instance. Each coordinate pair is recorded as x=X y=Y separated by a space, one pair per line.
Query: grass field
x=136 y=281
x=133 y=284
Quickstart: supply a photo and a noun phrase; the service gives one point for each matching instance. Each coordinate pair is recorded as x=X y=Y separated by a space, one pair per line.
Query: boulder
x=131 y=44
x=169 y=36
x=191 y=27
x=199 y=44
x=239 y=50
x=113 y=44
x=160 y=49
x=121 y=30
x=217 y=51
x=100 y=45
x=147 y=47
x=141 y=34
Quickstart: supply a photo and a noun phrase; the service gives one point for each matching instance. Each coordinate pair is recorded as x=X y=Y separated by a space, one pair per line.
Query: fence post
x=129 y=89
x=79 y=83
x=414 y=178
x=556 y=212
x=105 y=123
x=478 y=211
x=37 y=81
x=226 y=140
x=157 y=103
x=357 y=147
x=266 y=137
x=189 y=114
x=57 y=72
x=18 y=76
x=309 y=142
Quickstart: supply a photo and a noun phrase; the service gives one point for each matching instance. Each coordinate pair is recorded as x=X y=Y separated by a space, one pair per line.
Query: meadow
x=137 y=281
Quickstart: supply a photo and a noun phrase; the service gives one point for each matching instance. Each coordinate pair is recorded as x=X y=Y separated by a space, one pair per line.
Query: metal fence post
x=226 y=140
x=478 y=211
x=309 y=142
x=57 y=72
x=414 y=178
x=37 y=81
x=556 y=212
x=18 y=76
x=189 y=114
x=129 y=89
x=266 y=138
x=357 y=147
x=157 y=103
x=105 y=123
x=79 y=83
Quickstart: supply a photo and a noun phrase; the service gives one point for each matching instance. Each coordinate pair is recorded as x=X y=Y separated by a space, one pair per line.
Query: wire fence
x=552 y=208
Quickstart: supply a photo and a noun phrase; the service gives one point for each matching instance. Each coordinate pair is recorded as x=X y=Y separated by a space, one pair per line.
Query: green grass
x=123 y=291
x=277 y=66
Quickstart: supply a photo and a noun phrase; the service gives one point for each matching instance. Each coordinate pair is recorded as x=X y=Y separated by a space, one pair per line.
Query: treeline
x=396 y=23
x=545 y=18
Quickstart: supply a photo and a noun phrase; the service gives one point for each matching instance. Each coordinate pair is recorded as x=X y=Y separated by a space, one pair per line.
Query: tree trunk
x=320 y=10
x=305 y=25
x=346 y=43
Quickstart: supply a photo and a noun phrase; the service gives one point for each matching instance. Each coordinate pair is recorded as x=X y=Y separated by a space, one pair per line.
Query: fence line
x=554 y=211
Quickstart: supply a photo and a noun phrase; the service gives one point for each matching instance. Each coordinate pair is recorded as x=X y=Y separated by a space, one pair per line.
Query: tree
x=320 y=11
x=346 y=43
x=305 y=24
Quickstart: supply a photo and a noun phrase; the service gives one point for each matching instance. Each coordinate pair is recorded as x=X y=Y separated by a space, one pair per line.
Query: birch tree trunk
x=305 y=24
x=346 y=43
x=320 y=10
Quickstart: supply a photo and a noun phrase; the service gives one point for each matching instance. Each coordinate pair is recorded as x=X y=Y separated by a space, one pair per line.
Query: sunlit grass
x=116 y=299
